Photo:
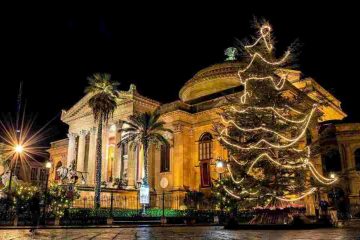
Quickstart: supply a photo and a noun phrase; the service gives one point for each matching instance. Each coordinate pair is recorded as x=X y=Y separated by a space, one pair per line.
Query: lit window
x=205 y=155
x=165 y=158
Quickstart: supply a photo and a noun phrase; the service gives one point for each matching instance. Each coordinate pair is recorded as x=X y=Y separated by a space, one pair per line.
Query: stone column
x=117 y=155
x=349 y=157
x=81 y=151
x=178 y=163
x=92 y=156
x=130 y=165
x=71 y=149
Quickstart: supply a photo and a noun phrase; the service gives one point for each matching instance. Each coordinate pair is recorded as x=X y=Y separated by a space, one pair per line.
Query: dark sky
x=159 y=47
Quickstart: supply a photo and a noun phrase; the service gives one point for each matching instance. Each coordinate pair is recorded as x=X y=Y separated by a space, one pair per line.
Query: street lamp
x=48 y=166
x=18 y=151
x=220 y=166
x=19 y=148
x=163 y=184
x=138 y=185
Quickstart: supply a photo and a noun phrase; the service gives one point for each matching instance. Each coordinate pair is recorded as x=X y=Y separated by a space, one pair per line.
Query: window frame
x=205 y=148
x=164 y=158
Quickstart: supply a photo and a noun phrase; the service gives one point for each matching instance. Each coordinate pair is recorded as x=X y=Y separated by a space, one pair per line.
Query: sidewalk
x=108 y=226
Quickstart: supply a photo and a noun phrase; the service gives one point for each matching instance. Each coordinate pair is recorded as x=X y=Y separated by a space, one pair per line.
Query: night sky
x=160 y=47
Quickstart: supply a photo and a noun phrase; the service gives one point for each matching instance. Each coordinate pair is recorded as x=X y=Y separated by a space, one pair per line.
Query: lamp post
x=48 y=167
x=138 y=185
x=18 y=151
x=163 y=184
x=220 y=167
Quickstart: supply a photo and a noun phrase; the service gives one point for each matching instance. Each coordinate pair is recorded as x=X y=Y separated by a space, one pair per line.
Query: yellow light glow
x=48 y=165
x=19 y=148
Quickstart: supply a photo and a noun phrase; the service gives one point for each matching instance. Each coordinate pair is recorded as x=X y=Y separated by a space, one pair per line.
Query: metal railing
x=120 y=201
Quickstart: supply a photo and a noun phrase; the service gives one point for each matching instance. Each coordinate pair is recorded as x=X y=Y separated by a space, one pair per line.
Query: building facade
x=189 y=163
x=32 y=171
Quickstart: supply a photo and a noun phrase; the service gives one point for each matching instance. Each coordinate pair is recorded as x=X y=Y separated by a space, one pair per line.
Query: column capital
x=83 y=133
x=180 y=126
x=92 y=130
x=72 y=135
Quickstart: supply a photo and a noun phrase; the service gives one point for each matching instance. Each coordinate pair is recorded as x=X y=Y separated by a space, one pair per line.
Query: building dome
x=210 y=80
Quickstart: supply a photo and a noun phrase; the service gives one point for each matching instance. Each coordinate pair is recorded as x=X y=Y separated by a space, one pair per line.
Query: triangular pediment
x=81 y=108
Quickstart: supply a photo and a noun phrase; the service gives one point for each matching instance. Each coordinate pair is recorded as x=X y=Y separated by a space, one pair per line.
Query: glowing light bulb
x=19 y=148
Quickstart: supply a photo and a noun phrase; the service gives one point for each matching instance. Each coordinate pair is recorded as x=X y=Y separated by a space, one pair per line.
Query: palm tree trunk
x=98 y=165
x=146 y=179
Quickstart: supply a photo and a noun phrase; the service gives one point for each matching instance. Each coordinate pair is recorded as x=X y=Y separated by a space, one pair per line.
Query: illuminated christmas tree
x=264 y=132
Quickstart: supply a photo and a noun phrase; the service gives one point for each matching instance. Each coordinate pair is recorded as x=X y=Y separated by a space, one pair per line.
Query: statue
x=68 y=174
x=5 y=178
x=231 y=54
x=62 y=172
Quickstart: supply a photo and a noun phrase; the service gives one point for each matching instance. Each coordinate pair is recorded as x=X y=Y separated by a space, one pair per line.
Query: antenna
x=18 y=107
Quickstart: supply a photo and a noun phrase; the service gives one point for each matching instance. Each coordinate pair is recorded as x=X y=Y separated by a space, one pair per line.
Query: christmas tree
x=269 y=162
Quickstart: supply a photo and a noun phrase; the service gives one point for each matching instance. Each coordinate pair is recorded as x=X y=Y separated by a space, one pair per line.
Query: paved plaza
x=177 y=233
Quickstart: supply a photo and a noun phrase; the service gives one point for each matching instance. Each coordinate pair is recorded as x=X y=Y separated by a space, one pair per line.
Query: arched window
x=357 y=159
x=205 y=155
x=205 y=147
x=332 y=161
x=165 y=158
x=58 y=165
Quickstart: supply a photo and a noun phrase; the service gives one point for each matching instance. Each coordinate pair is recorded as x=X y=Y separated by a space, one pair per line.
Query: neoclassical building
x=189 y=163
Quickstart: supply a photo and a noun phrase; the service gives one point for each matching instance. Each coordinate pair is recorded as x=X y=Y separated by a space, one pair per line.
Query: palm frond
x=103 y=102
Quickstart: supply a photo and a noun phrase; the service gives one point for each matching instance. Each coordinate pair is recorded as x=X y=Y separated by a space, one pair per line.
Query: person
x=35 y=212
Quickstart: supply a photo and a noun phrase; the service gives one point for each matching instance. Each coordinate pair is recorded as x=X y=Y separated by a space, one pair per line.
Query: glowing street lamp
x=48 y=165
x=332 y=175
x=19 y=148
x=220 y=166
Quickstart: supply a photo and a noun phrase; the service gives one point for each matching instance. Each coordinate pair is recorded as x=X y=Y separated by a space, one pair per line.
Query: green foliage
x=145 y=129
x=60 y=197
x=78 y=213
x=103 y=102
x=23 y=195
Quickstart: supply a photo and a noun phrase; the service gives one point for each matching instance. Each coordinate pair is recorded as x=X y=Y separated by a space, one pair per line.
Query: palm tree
x=144 y=130
x=103 y=104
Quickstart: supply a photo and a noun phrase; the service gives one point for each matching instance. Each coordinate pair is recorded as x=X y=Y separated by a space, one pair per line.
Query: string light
x=268 y=130
x=312 y=190
x=264 y=32
x=319 y=177
x=232 y=177
x=242 y=192
x=275 y=111
x=287 y=142
x=276 y=162
x=240 y=163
